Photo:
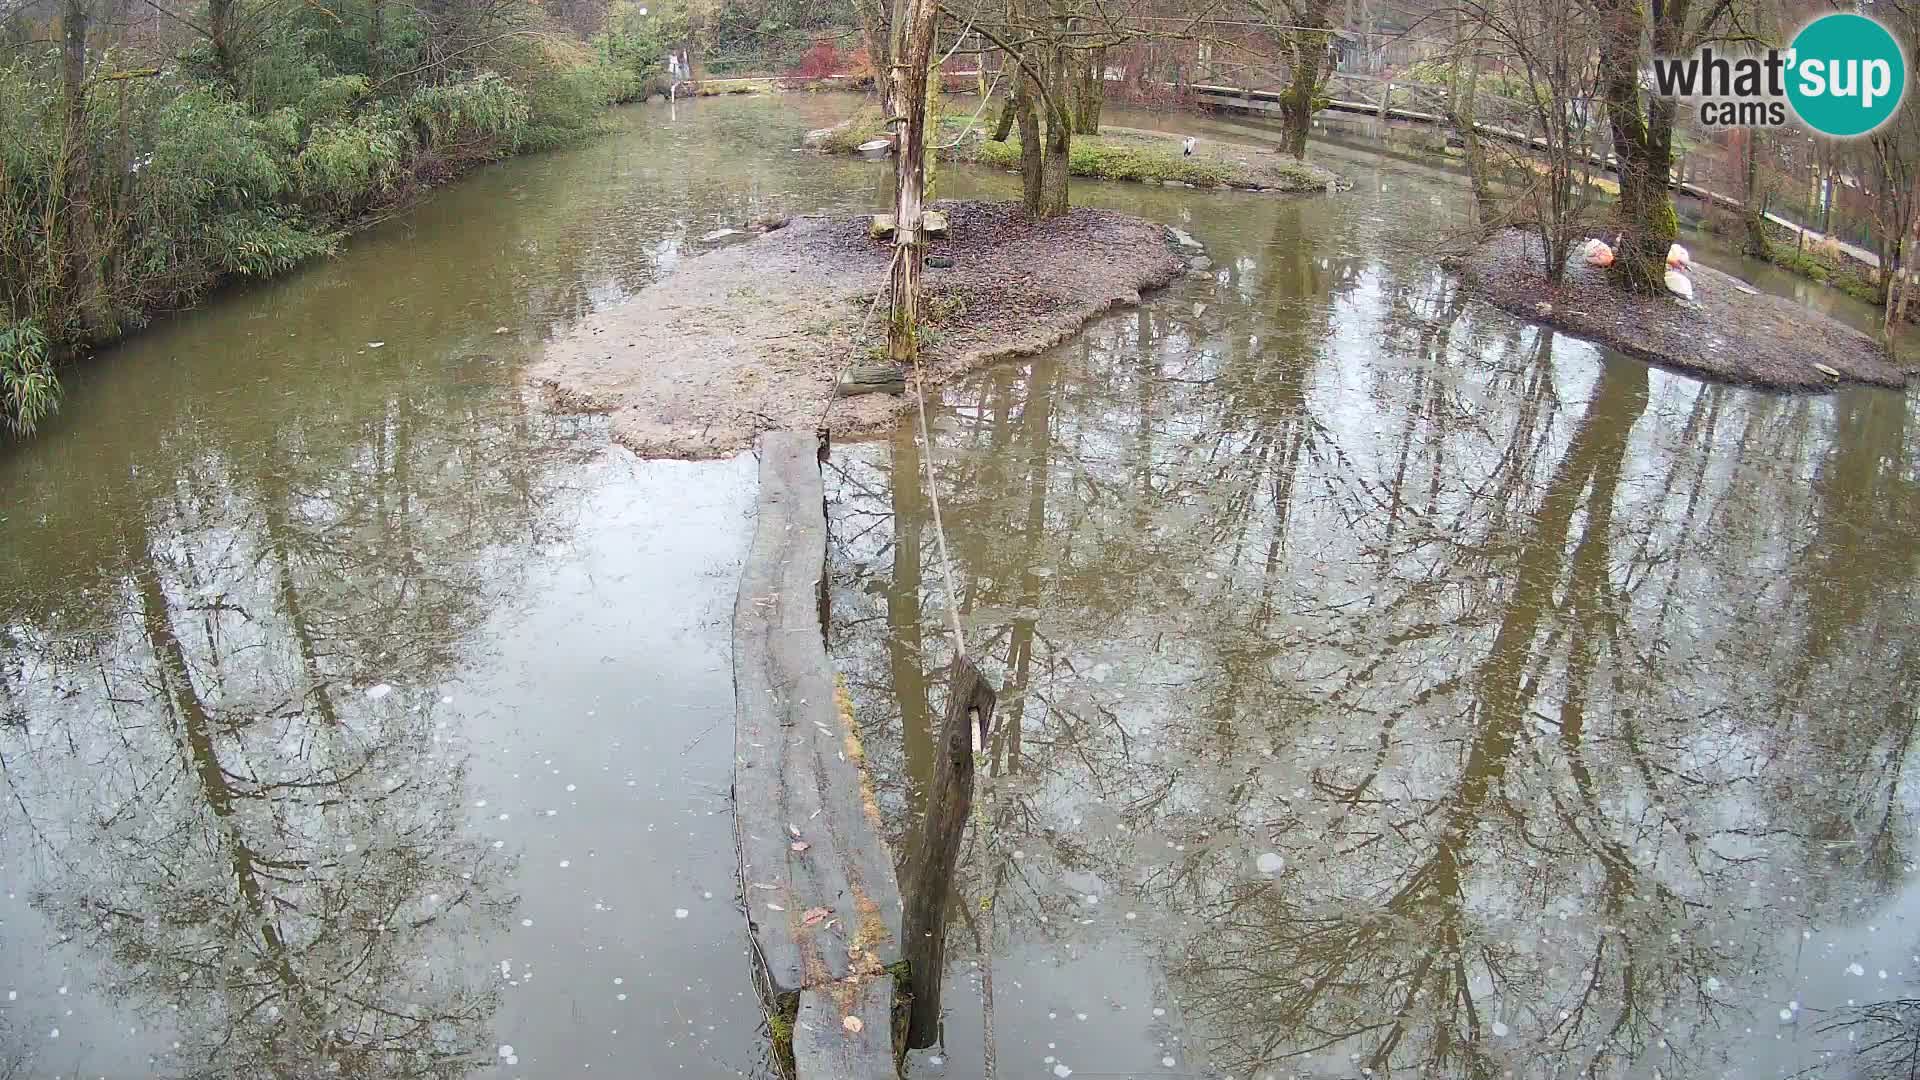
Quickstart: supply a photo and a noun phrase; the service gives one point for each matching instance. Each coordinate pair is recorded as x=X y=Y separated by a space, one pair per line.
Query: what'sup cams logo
x=1844 y=75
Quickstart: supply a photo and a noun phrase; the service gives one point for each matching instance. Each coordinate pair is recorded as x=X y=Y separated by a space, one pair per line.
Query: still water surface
x=1389 y=684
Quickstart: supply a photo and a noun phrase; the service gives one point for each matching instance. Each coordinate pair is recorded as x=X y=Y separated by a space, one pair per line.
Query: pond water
x=1387 y=683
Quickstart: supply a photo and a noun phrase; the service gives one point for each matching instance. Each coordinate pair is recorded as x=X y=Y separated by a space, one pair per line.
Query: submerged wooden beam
x=929 y=877
x=823 y=906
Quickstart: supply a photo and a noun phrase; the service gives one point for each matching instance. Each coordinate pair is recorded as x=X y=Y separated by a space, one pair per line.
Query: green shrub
x=564 y=105
x=208 y=150
x=476 y=113
x=261 y=243
x=345 y=165
x=1114 y=161
x=28 y=389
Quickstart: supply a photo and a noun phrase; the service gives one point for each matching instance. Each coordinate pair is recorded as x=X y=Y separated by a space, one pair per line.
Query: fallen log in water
x=822 y=902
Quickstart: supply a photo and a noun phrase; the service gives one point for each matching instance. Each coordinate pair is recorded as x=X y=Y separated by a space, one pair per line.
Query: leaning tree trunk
x=909 y=80
x=1009 y=110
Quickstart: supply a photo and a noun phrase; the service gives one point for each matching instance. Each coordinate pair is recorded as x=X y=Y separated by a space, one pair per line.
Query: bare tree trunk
x=1463 y=110
x=899 y=29
x=220 y=36
x=376 y=40
x=1059 y=148
x=1090 y=93
x=82 y=264
x=1307 y=53
x=1755 y=202
x=1643 y=146
x=909 y=82
x=1032 y=164
x=876 y=30
x=1027 y=97
x=1009 y=110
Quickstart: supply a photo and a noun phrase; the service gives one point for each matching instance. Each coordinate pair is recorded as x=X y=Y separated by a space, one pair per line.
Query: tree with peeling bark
x=907 y=79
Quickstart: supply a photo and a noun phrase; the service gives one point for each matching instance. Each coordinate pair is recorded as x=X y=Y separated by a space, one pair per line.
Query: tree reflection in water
x=223 y=760
x=1563 y=691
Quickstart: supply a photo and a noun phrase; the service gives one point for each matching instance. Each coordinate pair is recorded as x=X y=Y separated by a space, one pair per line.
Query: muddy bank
x=750 y=338
x=1728 y=332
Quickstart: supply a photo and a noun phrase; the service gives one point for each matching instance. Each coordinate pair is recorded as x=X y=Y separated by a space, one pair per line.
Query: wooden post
x=928 y=879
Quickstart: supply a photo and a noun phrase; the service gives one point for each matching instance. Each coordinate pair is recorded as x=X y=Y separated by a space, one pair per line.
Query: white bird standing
x=1188 y=145
x=1679 y=284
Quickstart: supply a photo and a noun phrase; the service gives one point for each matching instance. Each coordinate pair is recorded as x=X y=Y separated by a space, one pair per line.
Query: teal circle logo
x=1847 y=75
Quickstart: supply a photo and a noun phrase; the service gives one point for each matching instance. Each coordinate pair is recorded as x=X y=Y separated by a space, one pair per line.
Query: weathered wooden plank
x=822 y=901
x=825 y=1046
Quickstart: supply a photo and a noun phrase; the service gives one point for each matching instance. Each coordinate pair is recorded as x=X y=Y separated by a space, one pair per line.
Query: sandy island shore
x=1729 y=332
x=750 y=338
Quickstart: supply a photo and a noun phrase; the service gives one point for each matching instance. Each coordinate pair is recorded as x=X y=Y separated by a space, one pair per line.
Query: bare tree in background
x=1548 y=50
x=1306 y=39
x=1895 y=163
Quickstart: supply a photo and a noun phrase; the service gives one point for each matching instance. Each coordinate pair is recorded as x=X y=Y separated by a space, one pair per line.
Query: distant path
x=1241 y=99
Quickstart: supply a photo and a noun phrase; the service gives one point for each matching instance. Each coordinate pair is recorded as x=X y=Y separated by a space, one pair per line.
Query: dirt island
x=751 y=337
x=1728 y=331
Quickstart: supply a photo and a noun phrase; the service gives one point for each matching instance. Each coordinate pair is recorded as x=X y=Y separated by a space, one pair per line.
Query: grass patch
x=846 y=136
x=1094 y=157
x=780 y=1026
x=1841 y=273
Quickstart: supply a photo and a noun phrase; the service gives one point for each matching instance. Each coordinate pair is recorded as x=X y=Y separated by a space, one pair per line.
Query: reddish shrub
x=820 y=60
